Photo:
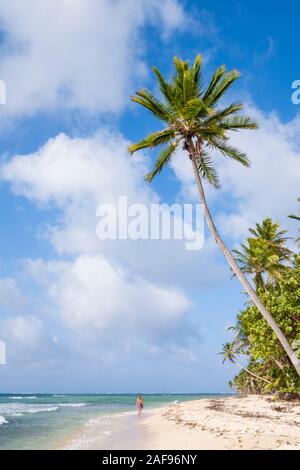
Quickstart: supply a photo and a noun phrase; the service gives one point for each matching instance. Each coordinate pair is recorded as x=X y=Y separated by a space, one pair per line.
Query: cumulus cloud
x=92 y=294
x=109 y=318
x=97 y=315
x=55 y=54
x=68 y=170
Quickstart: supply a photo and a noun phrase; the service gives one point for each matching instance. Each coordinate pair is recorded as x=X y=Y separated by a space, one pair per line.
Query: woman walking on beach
x=139 y=405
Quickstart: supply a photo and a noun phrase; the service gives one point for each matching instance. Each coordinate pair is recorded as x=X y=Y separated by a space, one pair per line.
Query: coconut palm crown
x=264 y=253
x=190 y=111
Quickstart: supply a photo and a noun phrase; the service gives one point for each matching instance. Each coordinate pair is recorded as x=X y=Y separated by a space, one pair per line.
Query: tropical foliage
x=254 y=339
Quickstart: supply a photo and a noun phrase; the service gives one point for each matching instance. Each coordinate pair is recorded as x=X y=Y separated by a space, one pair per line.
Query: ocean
x=47 y=421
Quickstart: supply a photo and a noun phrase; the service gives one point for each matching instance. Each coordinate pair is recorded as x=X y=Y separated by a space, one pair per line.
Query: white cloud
x=106 y=317
x=77 y=54
x=27 y=340
x=172 y=15
x=270 y=188
x=76 y=175
x=24 y=330
x=11 y=298
x=67 y=170
x=92 y=294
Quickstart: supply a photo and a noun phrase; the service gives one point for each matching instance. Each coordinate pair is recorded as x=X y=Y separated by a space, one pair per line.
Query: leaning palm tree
x=192 y=119
x=264 y=253
x=230 y=353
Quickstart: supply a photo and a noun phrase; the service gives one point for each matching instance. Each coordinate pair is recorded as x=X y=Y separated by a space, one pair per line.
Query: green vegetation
x=276 y=272
x=193 y=118
x=264 y=253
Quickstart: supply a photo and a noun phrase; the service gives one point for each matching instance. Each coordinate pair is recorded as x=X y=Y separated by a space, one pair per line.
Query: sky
x=79 y=314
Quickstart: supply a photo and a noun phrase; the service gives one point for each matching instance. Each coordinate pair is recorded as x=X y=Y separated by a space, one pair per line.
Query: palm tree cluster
x=193 y=118
x=276 y=273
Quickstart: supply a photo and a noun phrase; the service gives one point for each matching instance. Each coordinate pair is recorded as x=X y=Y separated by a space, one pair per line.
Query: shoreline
x=253 y=422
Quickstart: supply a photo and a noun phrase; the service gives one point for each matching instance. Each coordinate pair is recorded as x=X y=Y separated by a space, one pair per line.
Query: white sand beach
x=225 y=423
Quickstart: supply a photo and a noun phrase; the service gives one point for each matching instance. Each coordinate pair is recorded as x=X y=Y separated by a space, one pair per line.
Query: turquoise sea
x=41 y=421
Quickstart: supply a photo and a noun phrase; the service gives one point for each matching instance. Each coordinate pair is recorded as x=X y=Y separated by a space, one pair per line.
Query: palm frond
x=236 y=123
x=214 y=81
x=155 y=106
x=177 y=78
x=220 y=88
x=166 y=89
x=295 y=217
x=195 y=109
x=197 y=70
x=229 y=151
x=220 y=115
x=186 y=81
x=207 y=169
x=163 y=159
x=153 y=140
x=189 y=86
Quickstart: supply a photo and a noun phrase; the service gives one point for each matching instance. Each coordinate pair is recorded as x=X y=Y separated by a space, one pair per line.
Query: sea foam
x=23 y=398
x=3 y=420
x=16 y=409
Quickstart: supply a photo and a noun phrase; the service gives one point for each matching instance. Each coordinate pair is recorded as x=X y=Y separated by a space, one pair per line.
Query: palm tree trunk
x=252 y=373
x=231 y=261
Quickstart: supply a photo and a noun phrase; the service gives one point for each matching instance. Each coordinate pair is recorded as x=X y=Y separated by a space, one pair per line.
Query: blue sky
x=81 y=315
